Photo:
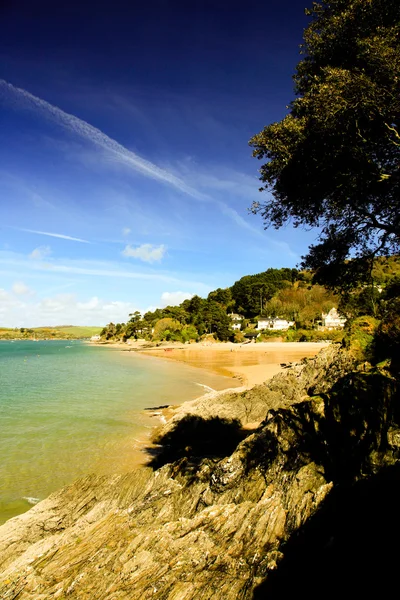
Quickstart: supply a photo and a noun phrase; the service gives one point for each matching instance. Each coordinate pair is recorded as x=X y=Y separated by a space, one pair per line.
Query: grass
x=78 y=331
x=61 y=332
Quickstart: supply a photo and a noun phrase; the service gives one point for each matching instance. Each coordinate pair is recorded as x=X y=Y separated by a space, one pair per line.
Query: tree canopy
x=334 y=161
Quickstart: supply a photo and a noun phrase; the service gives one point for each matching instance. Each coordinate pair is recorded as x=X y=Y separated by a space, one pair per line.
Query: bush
x=360 y=335
x=189 y=333
x=238 y=337
x=387 y=338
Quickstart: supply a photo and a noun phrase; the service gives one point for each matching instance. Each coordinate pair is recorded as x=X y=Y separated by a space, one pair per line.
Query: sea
x=68 y=408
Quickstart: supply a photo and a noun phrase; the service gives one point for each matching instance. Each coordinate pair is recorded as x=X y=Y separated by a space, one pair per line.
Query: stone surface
x=214 y=528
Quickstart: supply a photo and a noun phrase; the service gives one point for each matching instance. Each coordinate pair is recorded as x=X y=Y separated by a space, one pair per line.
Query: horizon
x=126 y=174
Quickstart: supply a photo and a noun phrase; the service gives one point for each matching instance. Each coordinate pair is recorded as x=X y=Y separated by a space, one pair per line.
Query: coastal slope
x=212 y=524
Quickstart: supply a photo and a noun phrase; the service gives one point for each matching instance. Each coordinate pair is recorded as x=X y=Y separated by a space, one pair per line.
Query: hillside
x=284 y=293
x=69 y=332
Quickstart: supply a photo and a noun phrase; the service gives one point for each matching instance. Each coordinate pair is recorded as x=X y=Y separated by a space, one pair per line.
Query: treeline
x=284 y=293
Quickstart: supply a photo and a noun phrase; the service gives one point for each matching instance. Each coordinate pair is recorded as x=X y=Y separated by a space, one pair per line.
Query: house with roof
x=333 y=320
x=274 y=323
x=236 y=321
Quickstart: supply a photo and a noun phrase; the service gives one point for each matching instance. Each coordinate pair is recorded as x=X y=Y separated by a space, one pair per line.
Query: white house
x=333 y=320
x=95 y=338
x=236 y=321
x=274 y=323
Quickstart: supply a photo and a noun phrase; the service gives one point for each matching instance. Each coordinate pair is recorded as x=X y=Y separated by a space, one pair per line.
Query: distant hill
x=66 y=332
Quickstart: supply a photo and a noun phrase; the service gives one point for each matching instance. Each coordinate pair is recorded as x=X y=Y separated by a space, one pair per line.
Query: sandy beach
x=251 y=363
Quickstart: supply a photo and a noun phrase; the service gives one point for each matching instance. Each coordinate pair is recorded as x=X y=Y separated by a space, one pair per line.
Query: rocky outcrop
x=311 y=375
x=209 y=527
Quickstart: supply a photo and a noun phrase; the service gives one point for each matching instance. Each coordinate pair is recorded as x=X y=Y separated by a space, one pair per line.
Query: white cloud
x=126 y=231
x=65 y=308
x=62 y=309
x=145 y=252
x=21 y=289
x=8 y=304
x=174 y=298
x=23 y=99
x=40 y=253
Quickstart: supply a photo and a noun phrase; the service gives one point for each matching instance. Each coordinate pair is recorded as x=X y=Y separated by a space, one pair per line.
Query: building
x=333 y=320
x=274 y=323
x=95 y=338
x=236 y=321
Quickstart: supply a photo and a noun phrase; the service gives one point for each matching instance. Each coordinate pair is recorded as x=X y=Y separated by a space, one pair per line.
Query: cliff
x=234 y=509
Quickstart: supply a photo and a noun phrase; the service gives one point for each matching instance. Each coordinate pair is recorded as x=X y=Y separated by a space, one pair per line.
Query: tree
x=222 y=296
x=215 y=320
x=135 y=317
x=251 y=292
x=334 y=161
x=167 y=329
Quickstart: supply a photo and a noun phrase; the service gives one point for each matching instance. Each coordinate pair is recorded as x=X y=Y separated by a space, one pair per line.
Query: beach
x=66 y=399
x=251 y=363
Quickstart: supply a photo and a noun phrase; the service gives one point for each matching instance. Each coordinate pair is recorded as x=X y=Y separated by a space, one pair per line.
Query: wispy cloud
x=20 y=264
x=54 y=235
x=239 y=220
x=23 y=99
x=20 y=186
x=40 y=253
x=126 y=231
x=145 y=252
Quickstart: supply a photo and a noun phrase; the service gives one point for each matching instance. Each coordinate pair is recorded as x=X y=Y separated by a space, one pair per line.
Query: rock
x=202 y=528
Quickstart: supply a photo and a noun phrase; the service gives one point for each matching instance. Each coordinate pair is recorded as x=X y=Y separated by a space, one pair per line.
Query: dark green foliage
x=251 y=292
x=334 y=160
x=213 y=319
x=285 y=293
x=387 y=338
x=359 y=338
x=223 y=297
x=364 y=301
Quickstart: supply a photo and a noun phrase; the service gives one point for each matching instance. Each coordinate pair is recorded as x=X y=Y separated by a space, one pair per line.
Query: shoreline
x=251 y=363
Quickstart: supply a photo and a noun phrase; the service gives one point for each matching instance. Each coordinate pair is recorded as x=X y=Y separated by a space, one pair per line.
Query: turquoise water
x=68 y=409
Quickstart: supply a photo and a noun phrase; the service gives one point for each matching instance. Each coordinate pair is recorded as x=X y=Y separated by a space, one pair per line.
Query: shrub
x=359 y=337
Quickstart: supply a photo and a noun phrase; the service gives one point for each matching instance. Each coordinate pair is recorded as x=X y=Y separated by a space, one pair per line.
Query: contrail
x=25 y=100
x=80 y=128
x=55 y=235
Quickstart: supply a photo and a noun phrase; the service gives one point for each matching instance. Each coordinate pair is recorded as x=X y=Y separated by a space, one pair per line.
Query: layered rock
x=209 y=527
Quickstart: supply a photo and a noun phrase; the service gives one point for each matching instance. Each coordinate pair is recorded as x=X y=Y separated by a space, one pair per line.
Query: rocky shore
x=245 y=487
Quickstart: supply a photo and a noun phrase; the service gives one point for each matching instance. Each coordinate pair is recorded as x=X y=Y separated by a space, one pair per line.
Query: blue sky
x=125 y=170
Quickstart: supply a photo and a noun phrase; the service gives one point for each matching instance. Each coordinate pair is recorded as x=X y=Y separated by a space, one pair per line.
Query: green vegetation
x=68 y=332
x=77 y=331
x=334 y=160
x=360 y=336
x=282 y=293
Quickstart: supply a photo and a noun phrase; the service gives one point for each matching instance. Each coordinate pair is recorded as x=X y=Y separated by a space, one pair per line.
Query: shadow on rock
x=347 y=549
x=351 y=432
x=194 y=438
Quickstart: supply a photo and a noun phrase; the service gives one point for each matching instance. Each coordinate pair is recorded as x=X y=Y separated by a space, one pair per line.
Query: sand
x=251 y=363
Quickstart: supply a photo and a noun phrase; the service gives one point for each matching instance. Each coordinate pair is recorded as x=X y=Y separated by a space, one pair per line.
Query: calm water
x=68 y=409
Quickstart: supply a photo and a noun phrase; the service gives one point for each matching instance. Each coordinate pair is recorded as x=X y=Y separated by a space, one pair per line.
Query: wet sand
x=251 y=363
